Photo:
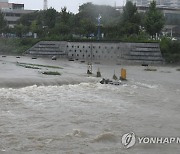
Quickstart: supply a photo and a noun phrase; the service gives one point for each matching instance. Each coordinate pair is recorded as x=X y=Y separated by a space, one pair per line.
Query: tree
x=3 y=23
x=50 y=16
x=34 y=27
x=27 y=19
x=88 y=27
x=21 y=30
x=130 y=19
x=110 y=15
x=154 y=20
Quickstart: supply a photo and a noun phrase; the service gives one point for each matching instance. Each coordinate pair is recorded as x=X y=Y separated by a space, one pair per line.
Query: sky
x=72 y=5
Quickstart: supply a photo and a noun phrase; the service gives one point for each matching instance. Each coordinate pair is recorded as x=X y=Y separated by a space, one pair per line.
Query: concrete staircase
x=148 y=53
x=48 y=48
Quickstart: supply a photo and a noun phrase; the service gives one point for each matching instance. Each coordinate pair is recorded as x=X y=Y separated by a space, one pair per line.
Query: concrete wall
x=117 y=52
x=98 y=52
x=95 y=51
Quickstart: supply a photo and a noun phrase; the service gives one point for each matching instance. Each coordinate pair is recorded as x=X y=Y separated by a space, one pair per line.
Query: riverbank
x=18 y=46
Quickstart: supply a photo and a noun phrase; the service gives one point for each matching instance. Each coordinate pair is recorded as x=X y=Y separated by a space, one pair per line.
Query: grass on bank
x=28 y=66
x=51 y=73
x=150 y=69
x=38 y=65
x=16 y=45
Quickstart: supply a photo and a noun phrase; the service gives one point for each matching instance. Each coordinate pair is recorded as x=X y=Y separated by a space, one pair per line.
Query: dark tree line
x=64 y=24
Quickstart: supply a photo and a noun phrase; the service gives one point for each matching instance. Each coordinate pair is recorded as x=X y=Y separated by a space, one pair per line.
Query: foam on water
x=105 y=137
x=75 y=118
x=50 y=112
x=146 y=85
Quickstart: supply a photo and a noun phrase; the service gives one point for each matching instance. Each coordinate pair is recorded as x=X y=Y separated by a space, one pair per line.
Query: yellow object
x=123 y=74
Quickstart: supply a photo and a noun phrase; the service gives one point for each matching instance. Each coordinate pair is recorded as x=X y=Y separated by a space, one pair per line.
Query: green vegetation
x=2 y=23
x=51 y=73
x=126 y=26
x=170 y=50
x=150 y=69
x=38 y=65
x=178 y=69
x=50 y=25
x=16 y=45
x=130 y=20
x=28 y=66
x=154 y=20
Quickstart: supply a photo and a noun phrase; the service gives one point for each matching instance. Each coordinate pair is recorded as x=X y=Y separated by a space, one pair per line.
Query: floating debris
x=71 y=59
x=54 y=58
x=107 y=81
x=51 y=73
x=145 y=64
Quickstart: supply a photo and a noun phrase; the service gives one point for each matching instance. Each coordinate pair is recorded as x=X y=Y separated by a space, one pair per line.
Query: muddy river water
x=74 y=117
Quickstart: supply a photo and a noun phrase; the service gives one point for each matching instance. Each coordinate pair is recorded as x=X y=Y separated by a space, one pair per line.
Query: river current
x=87 y=118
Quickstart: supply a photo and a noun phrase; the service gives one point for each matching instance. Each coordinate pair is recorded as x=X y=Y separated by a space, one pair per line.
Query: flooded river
x=90 y=118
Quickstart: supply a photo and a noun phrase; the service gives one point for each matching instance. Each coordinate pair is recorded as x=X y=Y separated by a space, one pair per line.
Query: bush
x=16 y=45
x=51 y=73
x=170 y=50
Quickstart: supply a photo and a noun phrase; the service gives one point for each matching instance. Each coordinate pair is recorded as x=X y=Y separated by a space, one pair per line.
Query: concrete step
x=132 y=53
x=143 y=58
x=48 y=48
x=140 y=62
x=146 y=50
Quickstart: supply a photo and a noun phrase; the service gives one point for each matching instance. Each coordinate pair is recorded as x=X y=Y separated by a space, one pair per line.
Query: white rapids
x=86 y=118
x=75 y=114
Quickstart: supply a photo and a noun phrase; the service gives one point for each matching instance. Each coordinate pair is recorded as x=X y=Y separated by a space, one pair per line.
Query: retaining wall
x=94 y=51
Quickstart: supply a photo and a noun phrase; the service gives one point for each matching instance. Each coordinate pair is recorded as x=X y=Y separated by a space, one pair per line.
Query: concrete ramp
x=48 y=48
x=144 y=53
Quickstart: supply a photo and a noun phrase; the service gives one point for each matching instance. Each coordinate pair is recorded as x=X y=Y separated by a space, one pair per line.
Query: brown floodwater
x=75 y=114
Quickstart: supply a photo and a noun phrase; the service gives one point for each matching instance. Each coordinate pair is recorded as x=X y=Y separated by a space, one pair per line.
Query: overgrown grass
x=150 y=69
x=170 y=50
x=51 y=73
x=27 y=66
x=16 y=45
x=38 y=65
